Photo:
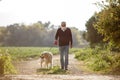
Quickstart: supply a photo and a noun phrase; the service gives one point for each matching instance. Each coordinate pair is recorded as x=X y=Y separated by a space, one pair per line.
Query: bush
x=98 y=59
x=83 y=54
x=116 y=64
x=6 y=66
x=98 y=64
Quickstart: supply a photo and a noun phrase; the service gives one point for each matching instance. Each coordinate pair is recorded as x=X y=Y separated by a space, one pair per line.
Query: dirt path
x=27 y=71
x=30 y=67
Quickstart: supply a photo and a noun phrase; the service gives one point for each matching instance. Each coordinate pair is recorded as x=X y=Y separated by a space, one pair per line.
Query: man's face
x=63 y=24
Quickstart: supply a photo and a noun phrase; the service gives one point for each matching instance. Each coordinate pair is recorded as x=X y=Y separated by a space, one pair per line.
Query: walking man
x=63 y=38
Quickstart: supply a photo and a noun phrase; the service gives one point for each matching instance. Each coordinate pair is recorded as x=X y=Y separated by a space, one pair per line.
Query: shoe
x=62 y=68
x=66 y=68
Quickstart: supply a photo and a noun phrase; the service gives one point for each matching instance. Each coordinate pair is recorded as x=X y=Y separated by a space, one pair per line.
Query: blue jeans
x=64 y=50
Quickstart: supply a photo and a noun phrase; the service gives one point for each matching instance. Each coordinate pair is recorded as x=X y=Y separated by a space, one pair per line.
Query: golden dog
x=47 y=58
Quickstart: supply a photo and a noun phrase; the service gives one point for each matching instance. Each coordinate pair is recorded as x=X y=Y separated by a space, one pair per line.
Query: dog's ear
x=41 y=56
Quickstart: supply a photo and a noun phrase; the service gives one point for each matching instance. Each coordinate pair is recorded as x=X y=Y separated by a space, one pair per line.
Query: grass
x=99 y=60
x=27 y=53
x=6 y=67
x=24 y=53
x=54 y=70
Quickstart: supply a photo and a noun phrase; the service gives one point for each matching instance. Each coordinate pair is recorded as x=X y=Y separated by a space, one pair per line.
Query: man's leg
x=61 y=49
x=66 y=57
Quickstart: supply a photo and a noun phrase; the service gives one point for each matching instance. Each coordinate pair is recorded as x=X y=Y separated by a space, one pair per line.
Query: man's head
x=63 y=24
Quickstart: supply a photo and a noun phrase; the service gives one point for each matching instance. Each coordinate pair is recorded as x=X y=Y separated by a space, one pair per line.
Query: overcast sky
x=74 y=12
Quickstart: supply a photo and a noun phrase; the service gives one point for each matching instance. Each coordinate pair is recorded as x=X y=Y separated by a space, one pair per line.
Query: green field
x=24 y=53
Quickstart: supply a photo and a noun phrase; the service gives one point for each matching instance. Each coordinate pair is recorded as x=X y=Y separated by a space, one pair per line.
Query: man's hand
x=70 y=46
x=55 y=42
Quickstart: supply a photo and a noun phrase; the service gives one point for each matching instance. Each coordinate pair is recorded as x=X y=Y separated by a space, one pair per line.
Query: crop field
x=24 y=53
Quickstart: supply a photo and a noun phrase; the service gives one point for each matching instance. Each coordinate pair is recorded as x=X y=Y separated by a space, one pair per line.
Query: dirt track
x=27 y=71
x=30 y=67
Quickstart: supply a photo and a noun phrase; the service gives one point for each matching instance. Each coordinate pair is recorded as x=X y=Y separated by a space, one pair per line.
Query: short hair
x=63 y=22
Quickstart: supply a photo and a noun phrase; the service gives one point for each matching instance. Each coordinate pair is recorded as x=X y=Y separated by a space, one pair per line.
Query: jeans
x=64 y=50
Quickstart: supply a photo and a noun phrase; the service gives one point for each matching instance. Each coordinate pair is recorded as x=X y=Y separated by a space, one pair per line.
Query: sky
x=74 y=12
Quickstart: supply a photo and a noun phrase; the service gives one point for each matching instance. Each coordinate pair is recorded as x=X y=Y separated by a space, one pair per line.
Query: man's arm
x=56 y=37
x=71 y=40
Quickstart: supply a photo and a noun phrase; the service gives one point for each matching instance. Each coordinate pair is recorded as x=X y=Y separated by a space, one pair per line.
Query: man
x=63 y=38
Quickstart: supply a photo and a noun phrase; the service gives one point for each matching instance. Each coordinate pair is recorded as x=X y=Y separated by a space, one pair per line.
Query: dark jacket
x=64 y=37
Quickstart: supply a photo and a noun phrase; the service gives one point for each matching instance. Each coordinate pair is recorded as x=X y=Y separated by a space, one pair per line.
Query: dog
x=46 y=58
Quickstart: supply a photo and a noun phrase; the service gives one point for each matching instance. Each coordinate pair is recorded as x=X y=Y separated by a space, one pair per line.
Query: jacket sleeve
x=71 y=40
x=57 y=35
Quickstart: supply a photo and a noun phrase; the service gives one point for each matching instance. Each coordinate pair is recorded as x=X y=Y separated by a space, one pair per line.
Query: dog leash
x=50 y=48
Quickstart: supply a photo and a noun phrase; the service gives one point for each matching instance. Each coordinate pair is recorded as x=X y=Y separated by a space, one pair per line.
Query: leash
x=50 y=48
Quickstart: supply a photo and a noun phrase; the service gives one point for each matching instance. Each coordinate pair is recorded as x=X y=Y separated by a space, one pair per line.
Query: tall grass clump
x=6 y=66
x=116 y=64
x=83 y=54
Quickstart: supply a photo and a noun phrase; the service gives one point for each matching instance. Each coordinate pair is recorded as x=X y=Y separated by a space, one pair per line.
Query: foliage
x=57 y=70
x=26 y=53
x=108 y=23
x=83 y=54
x=54 y=70
x=28 y=35
x=116 y=66
x=6 y=66
x=36 y=34
x=2 y=34
x=99 y=60
x=78 y=40
x=92 y=34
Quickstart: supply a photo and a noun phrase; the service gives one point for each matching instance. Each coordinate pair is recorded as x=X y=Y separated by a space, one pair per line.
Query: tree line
x=36 y=34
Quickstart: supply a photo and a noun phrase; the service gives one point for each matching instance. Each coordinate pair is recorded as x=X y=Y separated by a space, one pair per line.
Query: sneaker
x=66 y=68
x=62 y=68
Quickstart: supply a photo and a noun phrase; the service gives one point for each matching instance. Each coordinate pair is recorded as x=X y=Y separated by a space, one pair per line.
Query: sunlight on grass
x=54 y=70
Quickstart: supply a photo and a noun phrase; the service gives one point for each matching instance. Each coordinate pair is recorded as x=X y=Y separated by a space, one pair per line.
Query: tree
x=92 y=34
x=78 y=40
x=36 y=34
x=2 y=34
x=108 y=23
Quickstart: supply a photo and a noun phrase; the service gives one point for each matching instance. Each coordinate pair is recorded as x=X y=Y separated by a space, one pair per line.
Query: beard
x=63 y=28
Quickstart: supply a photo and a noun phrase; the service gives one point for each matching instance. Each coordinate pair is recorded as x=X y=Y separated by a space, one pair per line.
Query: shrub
x=116 y=63
x=97 y=63
x=6 y=66
x=98 y=59
x=83 y=54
